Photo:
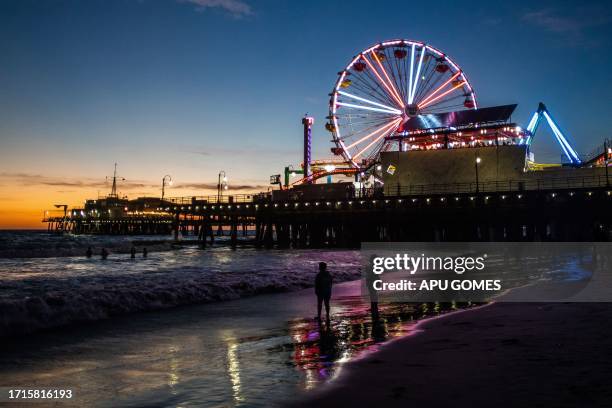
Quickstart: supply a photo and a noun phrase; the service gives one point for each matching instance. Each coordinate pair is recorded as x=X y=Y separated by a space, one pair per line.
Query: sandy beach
x=503 y=355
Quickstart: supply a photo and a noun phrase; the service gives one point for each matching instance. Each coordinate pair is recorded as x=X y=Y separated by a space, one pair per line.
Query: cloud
x=236 y=8
x=573 y=26
x=37 y=180
x=548 y=20
x=242 y=151
x=213 y=186
x=28 y=179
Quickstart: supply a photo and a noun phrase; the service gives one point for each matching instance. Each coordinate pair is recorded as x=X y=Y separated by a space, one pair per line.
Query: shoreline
x=532 y=354
x=53 y=309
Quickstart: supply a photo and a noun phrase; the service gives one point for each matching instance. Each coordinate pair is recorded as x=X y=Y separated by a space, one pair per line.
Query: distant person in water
x=104 y=253
x=89 y=252
x=144 y=252
x=323 y=289
x=133 y=252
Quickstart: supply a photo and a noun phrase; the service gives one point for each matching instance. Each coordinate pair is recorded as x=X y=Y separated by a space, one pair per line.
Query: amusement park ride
x=404 y=95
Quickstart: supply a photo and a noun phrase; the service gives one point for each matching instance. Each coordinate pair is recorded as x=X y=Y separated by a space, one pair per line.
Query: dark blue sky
x=177 y=86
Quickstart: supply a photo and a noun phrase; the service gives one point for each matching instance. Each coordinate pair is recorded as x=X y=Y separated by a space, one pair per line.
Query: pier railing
x=564 y=183
x=497 y=186
x=213 y=199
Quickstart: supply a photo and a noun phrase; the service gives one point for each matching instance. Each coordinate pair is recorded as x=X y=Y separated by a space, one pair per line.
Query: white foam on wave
x=46 y=293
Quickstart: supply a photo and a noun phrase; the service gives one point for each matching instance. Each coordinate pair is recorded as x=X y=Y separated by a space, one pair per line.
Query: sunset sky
x=191 y=87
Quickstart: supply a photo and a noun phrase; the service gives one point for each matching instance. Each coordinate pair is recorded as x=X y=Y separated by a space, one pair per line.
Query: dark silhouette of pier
x=553 y=212
x=570 y=209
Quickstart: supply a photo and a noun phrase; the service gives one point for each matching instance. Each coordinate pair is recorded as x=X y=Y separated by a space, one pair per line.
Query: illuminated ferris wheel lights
x=440 y=96
x=416 y=81
x=393 y=110
x=350 y=105
x=382 y=81
x=439 y=88
x=398 y=98
x=410 y=76
x=391 y=82
x=389 y=130
x=380 y=129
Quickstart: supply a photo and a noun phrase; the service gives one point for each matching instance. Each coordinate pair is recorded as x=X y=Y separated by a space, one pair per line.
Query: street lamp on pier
x=221 y=185
x=166 y=180
x=476 y=163
x=607 y=153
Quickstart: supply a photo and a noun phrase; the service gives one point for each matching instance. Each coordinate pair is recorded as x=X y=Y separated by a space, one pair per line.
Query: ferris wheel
x=385 y=87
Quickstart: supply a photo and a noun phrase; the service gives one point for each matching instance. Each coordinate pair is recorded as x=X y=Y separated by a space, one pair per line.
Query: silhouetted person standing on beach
x=104 y=253
x=323 y=289
x=89 y=252
x=133 y=252
x=144 y=252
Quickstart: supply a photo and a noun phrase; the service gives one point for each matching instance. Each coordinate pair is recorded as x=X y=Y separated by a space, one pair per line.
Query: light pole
x=164 y=182
x=607 y=152
x=476 y=163
x=329 y=168
x=221 y=185
x=291 y=172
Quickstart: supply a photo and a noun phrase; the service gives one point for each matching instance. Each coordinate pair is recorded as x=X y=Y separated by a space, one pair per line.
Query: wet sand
x=253 y=352
x=502 y=355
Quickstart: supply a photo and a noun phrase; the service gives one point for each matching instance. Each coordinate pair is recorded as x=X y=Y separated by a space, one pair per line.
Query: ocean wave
x=38 y=244
x=42 y=299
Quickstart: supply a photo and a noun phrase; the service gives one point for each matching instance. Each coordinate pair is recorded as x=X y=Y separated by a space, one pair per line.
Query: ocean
x=50 y=291
x=88 y=324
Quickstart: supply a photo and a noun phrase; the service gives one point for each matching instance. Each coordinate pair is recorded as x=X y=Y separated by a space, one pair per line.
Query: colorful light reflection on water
x=319 y=350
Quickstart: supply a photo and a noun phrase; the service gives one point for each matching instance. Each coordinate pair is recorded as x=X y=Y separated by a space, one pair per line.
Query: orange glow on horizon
x=24 y=206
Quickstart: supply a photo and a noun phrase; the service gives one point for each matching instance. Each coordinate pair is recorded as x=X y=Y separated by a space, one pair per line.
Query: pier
x=564 y=209
x=435 y=213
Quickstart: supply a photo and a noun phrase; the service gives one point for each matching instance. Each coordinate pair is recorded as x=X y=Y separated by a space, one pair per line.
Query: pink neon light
x=396 y=122
x=440 y=88
x=440 y=96
x=397 y=96
x=382 y=81
x=382 y=128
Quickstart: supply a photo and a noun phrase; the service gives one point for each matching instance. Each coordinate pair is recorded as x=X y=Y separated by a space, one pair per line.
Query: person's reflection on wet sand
x=328 y=344
x=379 y=328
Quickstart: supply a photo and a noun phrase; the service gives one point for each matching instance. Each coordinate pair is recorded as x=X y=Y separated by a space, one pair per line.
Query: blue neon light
x=531 y=127
x=562 y=138
x=570 y=153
